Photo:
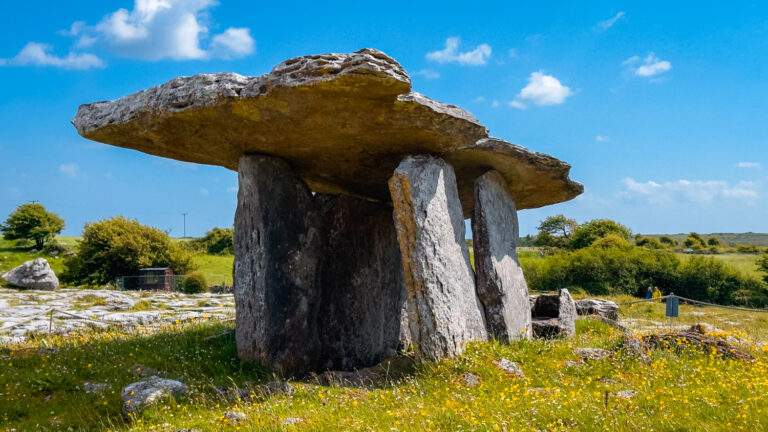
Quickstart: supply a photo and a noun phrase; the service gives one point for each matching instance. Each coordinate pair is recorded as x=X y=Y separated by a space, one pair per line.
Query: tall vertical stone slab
x=277 y=252
x=443 y=310
x=361 y=279
x=500 y=283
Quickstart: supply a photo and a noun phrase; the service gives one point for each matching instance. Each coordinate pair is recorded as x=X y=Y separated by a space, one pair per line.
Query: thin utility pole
x=185 y=224
x=34 y=201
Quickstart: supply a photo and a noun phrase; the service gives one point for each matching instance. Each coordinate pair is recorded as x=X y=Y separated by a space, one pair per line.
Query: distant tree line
x=599 y=258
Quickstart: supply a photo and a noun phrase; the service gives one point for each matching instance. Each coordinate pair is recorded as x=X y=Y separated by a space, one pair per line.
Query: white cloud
x=164 y=29
x=648 y=66
x=602 y=138
x=428 y=74
x=479 y=99
x=495 y=104
x=75 y=29
x=70 y=170
x=541 y=90
x=451 y=54
x=38 y=54
x=234 y=42
x=748 y=165
x=605 y=25
x=685 y=191
x=204 y=192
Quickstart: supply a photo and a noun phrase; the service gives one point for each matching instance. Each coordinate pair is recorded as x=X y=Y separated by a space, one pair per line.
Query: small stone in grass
x=292 y=421
x=234 y=417
x=470 y=379
x=509 y=367
x=626 y=394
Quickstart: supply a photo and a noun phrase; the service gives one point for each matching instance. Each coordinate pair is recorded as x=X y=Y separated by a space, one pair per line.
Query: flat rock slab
x=344 y=121
x=444 y=312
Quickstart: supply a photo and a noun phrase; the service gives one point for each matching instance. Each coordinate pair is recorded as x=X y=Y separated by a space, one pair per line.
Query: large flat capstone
x=444 y=312
x=343 y=121
x=501 y=285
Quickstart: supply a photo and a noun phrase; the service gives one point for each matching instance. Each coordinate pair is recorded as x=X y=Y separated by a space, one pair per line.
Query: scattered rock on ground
x=704 y=342
x=138 y=395
x=509 y=367
x=592 y=353
x=626 y=394
x=597 y=306
x=571 y=363
x=35 y=274
x=470 y=379
x=234 y=417
x=90 y=387
x=275 y=388
x=292 y=421
x=635 y=346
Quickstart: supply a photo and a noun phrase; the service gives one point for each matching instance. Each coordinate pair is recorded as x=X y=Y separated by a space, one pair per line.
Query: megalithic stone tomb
x=338 y=158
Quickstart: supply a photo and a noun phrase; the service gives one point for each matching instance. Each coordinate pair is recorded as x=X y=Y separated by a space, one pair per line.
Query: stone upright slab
x=277 y=253
x=500 y=282
x=361 y=280
x=443 y=310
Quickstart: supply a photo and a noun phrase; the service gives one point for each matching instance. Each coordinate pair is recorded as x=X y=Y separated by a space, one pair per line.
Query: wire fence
x=166 y=282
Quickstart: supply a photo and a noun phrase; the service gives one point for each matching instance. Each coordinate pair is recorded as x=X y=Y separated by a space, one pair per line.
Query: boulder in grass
x=600 y=307
x=140 y=394
x=35 y=274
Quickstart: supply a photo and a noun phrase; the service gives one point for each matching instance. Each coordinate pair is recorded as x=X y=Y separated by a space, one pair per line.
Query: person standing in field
x=649 y=293
x=656 y=292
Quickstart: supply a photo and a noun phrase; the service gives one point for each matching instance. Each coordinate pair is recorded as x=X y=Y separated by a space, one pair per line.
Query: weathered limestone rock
x=600 y=307
x=500 y=283
x=553 y=316
x=444 y=312
x=139 y=395
x=277 y=253
x=35 y=274
x=361 y=280
x=343 y=121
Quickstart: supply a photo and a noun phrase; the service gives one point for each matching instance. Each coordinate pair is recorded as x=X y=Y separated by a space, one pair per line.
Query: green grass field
x=678 y=390
x=745 y=263
x=217 y=269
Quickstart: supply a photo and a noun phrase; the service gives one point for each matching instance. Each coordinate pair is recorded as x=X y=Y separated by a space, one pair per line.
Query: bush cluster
x=120 y=247
x=218 y=241
x=194 y=283
x=611 y=266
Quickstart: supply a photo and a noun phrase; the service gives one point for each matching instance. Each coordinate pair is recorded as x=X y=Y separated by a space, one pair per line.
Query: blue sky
x=659 y=106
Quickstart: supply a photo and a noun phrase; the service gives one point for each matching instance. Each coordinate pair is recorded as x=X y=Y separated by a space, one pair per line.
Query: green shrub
x=34 y=223
x=586 y=233
x=120 y=247
x=194 y=283
x=610 y=267
x=218 y=241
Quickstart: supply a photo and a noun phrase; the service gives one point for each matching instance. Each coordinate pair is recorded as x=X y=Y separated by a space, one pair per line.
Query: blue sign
x=673 y=304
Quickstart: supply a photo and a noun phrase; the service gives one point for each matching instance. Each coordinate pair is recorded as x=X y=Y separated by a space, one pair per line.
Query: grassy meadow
x=216 y=268
x=680 y=390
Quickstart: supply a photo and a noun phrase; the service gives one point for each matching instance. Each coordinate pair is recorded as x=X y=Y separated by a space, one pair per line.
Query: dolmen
x=353 y=192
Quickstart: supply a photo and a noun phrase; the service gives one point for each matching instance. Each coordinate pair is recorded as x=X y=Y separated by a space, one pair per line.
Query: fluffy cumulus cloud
x=542 y=89
x=605 y=25
x=686 y=191
x=648 y=66
x=38 y=54
x=451 y=54
x=164 y=29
